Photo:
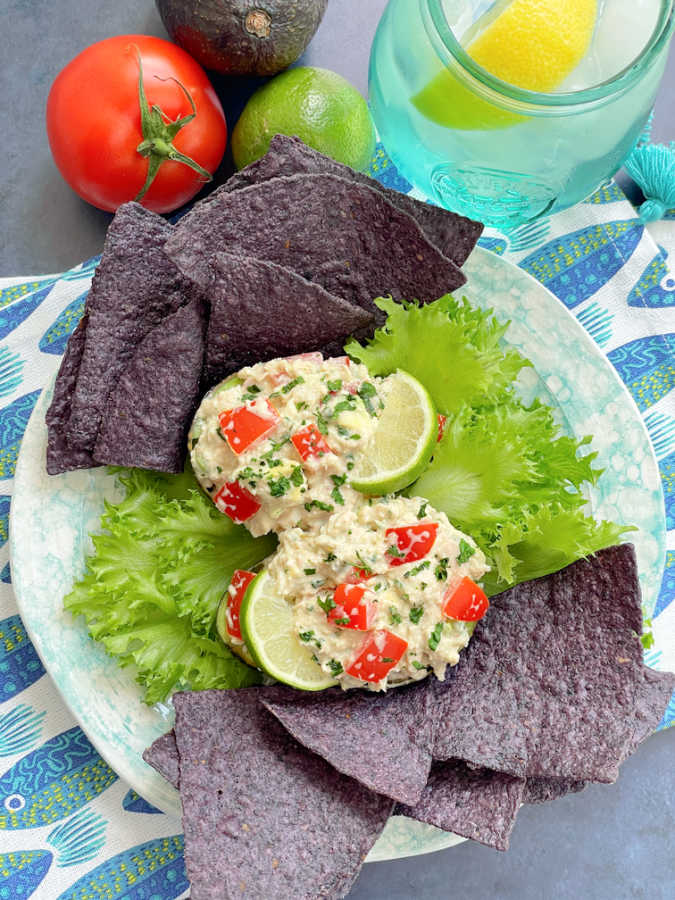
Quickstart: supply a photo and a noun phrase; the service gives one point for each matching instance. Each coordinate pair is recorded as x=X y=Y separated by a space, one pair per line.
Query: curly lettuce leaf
x=153 y=584
x=503 y=472
x=453 y=349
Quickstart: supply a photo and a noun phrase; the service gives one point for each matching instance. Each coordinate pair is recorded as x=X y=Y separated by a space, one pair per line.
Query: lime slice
x=403 y=442
x=269 y=631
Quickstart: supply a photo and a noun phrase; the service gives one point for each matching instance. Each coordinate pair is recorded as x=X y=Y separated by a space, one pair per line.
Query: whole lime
x=320 y=107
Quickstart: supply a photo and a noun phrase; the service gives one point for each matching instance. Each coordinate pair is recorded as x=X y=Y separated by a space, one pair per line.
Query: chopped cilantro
x=350 y=466
x=338 y=479
x=441 y=570
x=417 y=665
x=422 y=511
x=337 y=496
x=363 y=565
x=318 y=504
x=394 y=616
x=306 y=636
x=387 y=659
x=301 y=405
x=278 y=487
x=309 y=571
x=297 y=477
x=418 y=568
x=466 y=551
x=416 y=614
x=354 y=437
x=321 y=423
x=335 y=667
x=220 y=434
x=395 y=552
x=326 y=603
x=345 y=620
x=346 y=405
x=334 y=385
x=291 y=384
x=315 y=657
x=330 y=557
x=435 y=636
x=366 y=393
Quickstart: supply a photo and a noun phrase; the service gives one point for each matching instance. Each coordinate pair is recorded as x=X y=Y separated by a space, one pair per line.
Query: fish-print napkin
x=70 y=828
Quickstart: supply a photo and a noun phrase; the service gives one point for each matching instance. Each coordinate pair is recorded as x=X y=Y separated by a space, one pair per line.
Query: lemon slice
x=403 y=441
x=532 y=44
x=268 y=628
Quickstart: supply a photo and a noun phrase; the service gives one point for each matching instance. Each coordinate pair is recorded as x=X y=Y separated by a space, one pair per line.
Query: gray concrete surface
x=608 y=843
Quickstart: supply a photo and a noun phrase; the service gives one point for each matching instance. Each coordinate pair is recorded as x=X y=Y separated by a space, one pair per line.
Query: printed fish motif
x=11 y=368
x=13 y=421
x=22 y=871
x=153 y=869
x=79 y=839
x=667 y=471
x=495 y=245
x=15 y=314
x=54 y=340
x=20 y=665
x=608 y=193
x=20 y=729
x=6 y=575
x=382 y=168
x=647 y=367
x=17 y=291
x=85 y=270
x=528 y=235
x=574 y=266
x=662 y=432
x=133 y=802
x=53 y=782
x=667 y=591
x=598 y=322
x=5 y=502
x=656 y=286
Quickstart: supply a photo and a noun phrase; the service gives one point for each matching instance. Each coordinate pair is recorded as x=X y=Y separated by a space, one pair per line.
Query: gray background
x=608 y=842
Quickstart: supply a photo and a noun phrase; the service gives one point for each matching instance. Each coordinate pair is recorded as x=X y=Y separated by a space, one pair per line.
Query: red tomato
x=243 y=426
x=94 y=122
x=377 y=656
x=465 y=602
x=310 y=442
x=356 y=575
x=235 y=594
x=413 y=542
x=352 y=608
x=236 y=502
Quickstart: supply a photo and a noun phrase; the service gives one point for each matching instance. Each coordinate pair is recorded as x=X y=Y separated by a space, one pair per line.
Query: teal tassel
x=652 y=167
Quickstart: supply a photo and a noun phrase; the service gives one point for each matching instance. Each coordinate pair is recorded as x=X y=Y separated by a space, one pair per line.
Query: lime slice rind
x=403 y=442
x=268 y=628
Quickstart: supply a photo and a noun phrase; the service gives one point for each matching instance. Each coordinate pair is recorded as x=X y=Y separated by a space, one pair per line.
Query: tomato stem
x=159 y=132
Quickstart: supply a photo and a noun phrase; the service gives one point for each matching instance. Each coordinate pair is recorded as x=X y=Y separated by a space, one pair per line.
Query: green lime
x=316 y=105
x=268 y=628
x=221 y=627
x=403 y=442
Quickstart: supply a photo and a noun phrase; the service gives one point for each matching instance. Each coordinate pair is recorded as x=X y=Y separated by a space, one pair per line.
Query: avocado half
x=241 y=37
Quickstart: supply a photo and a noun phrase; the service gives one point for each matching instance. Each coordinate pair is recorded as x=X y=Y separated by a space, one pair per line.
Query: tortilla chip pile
x=284 y=792
x=284 y=258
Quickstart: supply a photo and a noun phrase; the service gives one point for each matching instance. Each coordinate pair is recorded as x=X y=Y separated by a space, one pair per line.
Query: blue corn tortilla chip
x=454 y=235
x=541 y=790
x=135 y=286
x=61 y=457
x=162 y=755
x=263 y=817
x=344 y=236
x=150 y=407
x=383 y=741
x=553 y=683
x=475 y=803
x=260 y=310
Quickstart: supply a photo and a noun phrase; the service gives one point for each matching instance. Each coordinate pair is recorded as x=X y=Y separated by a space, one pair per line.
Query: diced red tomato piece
x=442 y=422
x=245 y=425
x=465 y=601
x=356 y=576
x=352 y=607
x=377 y=656
x=310 y=442
x=235 y=594
x=412 y=541
x=236 y=502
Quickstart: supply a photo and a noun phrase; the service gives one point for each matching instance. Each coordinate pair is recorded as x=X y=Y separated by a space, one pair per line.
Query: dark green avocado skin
x=242 y=37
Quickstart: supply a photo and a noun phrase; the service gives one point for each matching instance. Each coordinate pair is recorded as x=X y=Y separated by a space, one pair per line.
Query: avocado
x=242 y=37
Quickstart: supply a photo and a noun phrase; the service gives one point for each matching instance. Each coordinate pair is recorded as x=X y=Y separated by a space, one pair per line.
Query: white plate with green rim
x=53 y=516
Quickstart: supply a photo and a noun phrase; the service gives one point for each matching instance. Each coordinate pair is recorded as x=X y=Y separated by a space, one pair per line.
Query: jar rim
x=619 y=82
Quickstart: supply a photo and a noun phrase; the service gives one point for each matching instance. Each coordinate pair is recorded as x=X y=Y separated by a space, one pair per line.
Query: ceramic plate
x=52 y=518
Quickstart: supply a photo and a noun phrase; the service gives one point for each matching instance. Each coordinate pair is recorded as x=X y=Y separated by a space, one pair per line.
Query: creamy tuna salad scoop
x=274 y=445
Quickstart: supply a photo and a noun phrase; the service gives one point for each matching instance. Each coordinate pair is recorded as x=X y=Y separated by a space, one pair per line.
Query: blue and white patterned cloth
x=83 y=834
